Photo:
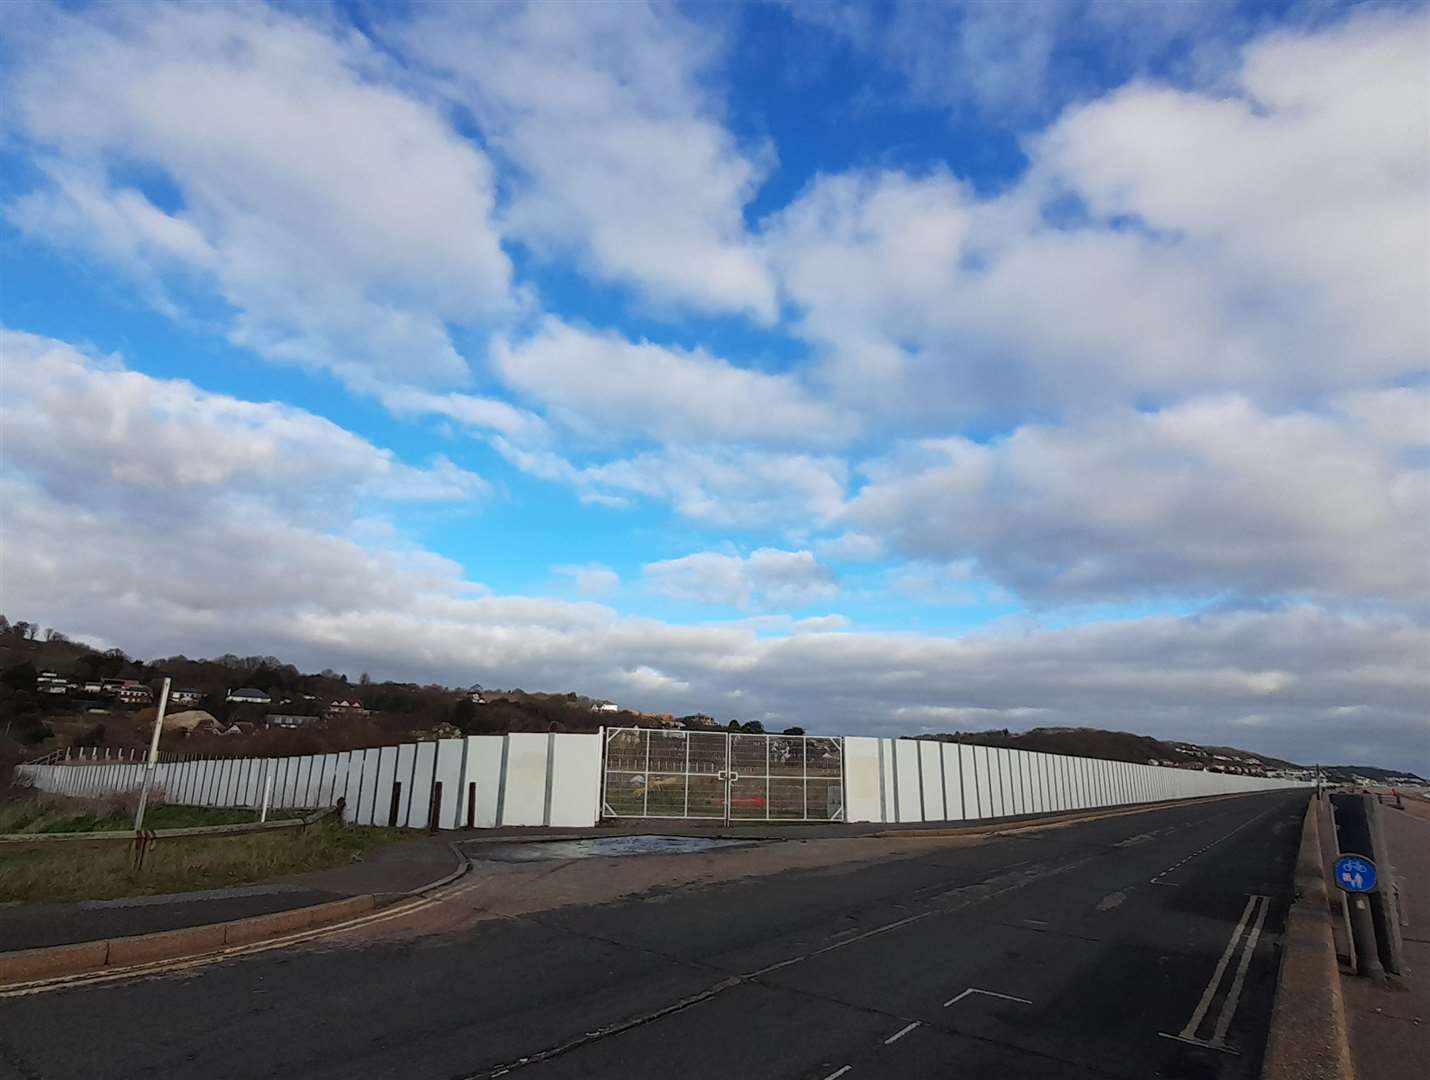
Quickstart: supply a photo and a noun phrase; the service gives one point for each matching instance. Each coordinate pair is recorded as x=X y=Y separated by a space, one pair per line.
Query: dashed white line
x=1201 y=851
x=896 y=1036
x=837 y=1073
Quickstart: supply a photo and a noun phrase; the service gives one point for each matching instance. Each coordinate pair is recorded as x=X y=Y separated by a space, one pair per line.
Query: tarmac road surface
x=1138 y=946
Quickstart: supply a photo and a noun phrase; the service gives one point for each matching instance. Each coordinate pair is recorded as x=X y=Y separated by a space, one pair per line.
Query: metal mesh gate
x=722 y=776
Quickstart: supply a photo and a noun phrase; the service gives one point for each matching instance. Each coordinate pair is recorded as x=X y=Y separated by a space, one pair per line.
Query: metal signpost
x=1355 y=874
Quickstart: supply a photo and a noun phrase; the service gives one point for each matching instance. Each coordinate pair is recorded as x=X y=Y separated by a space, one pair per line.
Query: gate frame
x=727 y=776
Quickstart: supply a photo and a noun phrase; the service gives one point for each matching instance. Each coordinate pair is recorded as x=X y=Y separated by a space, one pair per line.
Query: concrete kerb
x=90 y=957
x=1309 y=1038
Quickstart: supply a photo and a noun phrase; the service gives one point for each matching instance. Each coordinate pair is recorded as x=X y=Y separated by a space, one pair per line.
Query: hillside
x=1350 y=774
x=1121 y=746
x=304 y=713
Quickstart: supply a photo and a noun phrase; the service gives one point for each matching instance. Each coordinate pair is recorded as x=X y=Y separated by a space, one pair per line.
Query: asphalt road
x=1072 y=952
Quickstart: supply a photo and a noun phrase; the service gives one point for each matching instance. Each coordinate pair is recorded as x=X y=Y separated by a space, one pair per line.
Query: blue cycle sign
x=1355 y=873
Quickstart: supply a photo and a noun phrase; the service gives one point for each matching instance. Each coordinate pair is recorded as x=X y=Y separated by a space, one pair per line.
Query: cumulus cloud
x=728 y=487
x=88 y=430
x=609 y=389
x=592 y=579
x=270 y=551
x=1212 y=496
x=767 y=577
x=338 y=219
x=1164 y=242
x=246 y=586
x=618 y=145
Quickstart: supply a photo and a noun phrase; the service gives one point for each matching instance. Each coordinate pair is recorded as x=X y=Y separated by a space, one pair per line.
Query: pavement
x=396 y=868
x=1390 y=1023
x=1136 y=946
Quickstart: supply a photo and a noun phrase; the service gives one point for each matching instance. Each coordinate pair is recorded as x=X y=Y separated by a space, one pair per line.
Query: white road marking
x=1201 y=851
x=1246 y=936
x=986 y=993
x=1228 y=1007
x=1190 y=1031
x=1198 y=1042
x=896 y=1036
x=837 y=1073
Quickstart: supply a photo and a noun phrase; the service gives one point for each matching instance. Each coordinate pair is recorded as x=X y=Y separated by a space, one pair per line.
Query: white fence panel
x=451 y=814
x=524 y=790
x=419 y=799
x=863 y=779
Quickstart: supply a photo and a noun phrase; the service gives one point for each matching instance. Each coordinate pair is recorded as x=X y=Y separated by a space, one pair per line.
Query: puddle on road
x=604 y=847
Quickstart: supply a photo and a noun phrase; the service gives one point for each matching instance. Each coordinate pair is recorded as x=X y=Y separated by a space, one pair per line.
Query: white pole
x=267 y=795
x=153 y=756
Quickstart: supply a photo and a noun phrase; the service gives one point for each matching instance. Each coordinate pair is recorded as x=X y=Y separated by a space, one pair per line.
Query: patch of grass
x=55 y=814
x=182 y=864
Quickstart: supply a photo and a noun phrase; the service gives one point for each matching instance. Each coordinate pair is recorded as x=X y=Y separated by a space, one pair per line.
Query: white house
x=248 y=695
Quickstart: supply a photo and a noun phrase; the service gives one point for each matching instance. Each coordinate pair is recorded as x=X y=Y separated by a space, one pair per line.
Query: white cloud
x=228 y=584
x=592 y=579
x=1267 y=237
x=732 y=488
x=618 y=147
x=339 y=218
x=853 y=546
x=767 y=577
x=90 y=431
x=264 y=550
x=469 y=410
x=609 y=389
x=1211 y=496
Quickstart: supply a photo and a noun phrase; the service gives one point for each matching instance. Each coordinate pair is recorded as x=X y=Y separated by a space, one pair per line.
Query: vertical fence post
x=153 y=757
x=645 y=806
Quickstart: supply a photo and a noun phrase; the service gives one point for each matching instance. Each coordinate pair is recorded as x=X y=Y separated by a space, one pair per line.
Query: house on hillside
x=605 y=706
x=344 y=710
x=291 y=720
x=51 y=683
x=134 y=693
x=186 y=697
x=247 y=695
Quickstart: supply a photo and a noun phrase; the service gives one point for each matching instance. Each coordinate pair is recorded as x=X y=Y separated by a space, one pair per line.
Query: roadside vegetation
x=87 y=872
x=39 y=813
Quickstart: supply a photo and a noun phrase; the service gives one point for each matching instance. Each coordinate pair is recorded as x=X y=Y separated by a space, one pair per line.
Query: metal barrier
x=721 y=776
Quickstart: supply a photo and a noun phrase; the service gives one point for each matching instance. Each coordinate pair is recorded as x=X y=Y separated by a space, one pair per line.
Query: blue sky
x=890 y=367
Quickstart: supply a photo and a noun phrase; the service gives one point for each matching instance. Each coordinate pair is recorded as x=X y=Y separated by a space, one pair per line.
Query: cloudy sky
x=877 y=368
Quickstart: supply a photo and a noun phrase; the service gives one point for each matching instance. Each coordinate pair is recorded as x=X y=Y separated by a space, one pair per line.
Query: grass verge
x=182 y=864
x=52 y=814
